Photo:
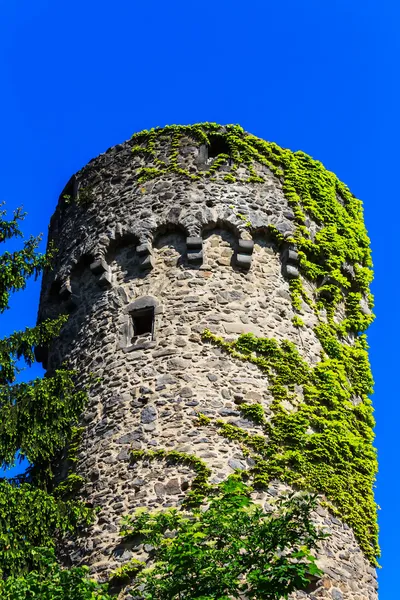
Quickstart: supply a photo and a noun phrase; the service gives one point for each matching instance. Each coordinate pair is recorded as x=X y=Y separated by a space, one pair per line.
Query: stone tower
x=172 y=248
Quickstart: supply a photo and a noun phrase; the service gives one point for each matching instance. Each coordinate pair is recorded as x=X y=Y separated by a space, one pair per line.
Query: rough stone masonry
x=143 y=268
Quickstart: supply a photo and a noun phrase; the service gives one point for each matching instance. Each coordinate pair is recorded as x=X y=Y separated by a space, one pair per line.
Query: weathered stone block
x=173 y=486
x=143 y=303
x=99 y=266
x=143 y=249
x=348 y=270
x=147 y=263
x=246 y=246
x=236 y=464
x=149 y=414
x=242 y=328
x=292 y=256
x=104 y=280
x=365 y=309
x=195 y=257
x=123 y=455
x=290 y=271
x=140 y=345
x=194 y=243
x=159 y=489
x=128 y=438
x=186 y=392
x=243 y=261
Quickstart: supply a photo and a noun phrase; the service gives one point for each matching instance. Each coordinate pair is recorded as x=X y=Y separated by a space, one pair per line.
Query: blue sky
x=78 y=77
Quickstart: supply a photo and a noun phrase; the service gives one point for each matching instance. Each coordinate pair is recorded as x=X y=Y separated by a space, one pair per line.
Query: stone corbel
x=290 y=262
x=244 y=254
x=66 y=295
x=194 y=248
x=101 y=269
x=145 y=255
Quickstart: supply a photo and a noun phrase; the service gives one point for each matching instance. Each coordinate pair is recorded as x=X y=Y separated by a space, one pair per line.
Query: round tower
x=217 y=290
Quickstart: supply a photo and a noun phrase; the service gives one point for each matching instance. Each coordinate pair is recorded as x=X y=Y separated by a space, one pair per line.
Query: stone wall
x=129 y=242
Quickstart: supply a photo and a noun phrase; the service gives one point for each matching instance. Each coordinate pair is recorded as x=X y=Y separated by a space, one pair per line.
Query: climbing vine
x=325 y=442
x=199 y=487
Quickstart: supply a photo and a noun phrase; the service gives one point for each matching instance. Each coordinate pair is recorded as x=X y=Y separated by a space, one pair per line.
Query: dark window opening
x=218 y=145
x=143 y=322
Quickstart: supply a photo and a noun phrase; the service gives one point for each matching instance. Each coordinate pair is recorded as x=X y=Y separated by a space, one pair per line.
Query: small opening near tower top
x=218 y=145
x=143 y=322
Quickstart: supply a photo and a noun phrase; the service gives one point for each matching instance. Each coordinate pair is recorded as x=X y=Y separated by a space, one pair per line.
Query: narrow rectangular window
x=143 y=322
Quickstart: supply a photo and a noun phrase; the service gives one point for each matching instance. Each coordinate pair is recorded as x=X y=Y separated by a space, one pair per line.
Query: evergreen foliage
x=50 y=582
x=36 y=420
